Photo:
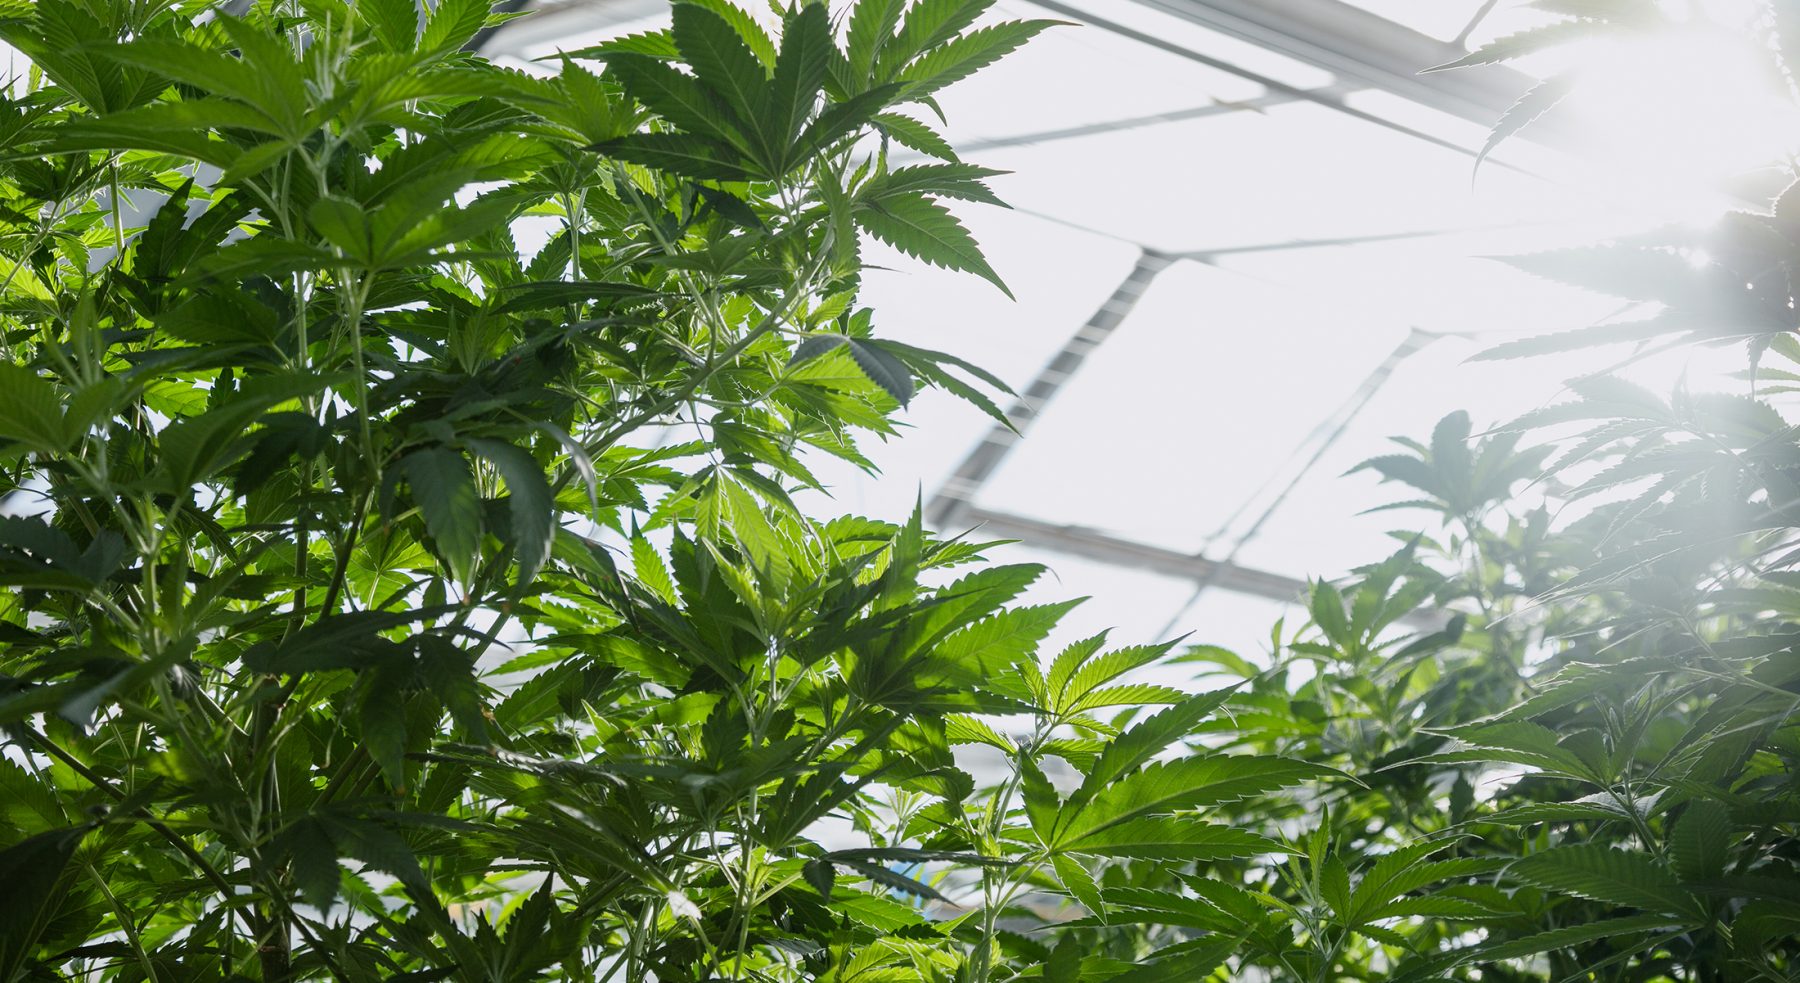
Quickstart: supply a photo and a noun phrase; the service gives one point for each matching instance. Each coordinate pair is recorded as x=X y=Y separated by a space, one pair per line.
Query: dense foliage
x=386 y=601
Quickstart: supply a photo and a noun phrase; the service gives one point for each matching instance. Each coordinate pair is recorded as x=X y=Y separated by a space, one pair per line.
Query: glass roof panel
x=1202 y=393
x=1059 y=275
x=1296 y=171
x=1137 y=16
x=571 y=27
x=1077 y=75
x=1521 y=153
x=1236 y=622
x=1319 y=531
x=1441 y=19
x=1219 y=386
x=1447 y=284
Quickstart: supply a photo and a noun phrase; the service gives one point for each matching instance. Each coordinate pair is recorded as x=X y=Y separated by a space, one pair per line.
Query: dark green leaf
x=445 y=490
x=34 y=871
x=534 y=514
x=1602 y=873
x=925 y=230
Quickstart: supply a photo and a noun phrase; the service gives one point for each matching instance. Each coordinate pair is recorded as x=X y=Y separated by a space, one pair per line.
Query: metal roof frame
x=1362 y=50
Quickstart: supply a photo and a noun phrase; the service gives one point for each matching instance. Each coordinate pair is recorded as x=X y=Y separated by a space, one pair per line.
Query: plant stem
x=180 y=843
x=126 y=925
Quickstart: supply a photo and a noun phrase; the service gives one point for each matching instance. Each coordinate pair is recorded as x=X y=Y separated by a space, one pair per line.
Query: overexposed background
x=1323 y=243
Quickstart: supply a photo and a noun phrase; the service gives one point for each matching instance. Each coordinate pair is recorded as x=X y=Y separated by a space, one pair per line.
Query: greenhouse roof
x=1249 y=242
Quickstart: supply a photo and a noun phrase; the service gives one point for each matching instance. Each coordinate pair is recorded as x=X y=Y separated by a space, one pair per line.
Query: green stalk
x=126 y=926
x=180 y=843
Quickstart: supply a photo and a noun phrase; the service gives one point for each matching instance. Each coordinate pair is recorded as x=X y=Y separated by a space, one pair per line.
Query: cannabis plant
x=384 y=600
x=1591 y=770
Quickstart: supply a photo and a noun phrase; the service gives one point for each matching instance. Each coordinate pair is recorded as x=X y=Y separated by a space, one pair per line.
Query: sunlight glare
x=1671 y=116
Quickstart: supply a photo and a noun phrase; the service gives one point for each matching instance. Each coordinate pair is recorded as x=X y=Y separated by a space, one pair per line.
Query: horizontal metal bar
x=1326 y=97
x=1255 y=104
x=1091 y=544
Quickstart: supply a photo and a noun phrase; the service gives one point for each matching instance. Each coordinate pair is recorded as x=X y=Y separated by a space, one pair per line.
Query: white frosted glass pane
x=1296 y=172
x=1239 y=622
x=1138 y=16
x=1059 y=277
x=1439 y=283
x=1418 y=116
x=1595 y=178
x=1521 y=152
x=1317 y=531
x=1201 y=394
x=1441 y=19
x=1074 y=75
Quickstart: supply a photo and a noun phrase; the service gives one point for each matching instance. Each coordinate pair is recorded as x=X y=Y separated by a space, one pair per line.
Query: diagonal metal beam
x=1281 y=245
x=1462 y=37
x=1256 y=104
x=1091 y=544
x=1326 y=98
x=1324 y=436
x=949 y=506
x=1366 y=50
